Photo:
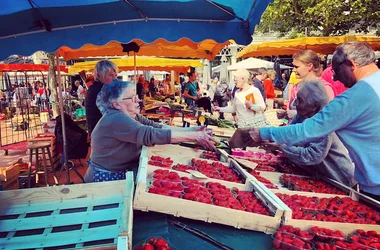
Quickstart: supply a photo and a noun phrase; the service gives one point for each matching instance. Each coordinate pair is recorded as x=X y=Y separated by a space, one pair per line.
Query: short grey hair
x=102 y=67
x=317 y=95
x=111 y=93
x=262 y=71
x=359 y=52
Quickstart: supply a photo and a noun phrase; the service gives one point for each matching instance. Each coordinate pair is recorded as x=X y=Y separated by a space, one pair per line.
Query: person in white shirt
x=249 y=114
x=80 y=92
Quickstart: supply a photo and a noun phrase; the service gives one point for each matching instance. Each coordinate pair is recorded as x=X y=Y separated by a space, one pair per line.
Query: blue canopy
x=31 y=25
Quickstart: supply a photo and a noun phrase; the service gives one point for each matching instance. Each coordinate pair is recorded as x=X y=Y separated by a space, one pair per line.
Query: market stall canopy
x=30 y=26
x=254 y=63
x=183 y=48
x=142 y=63
x=323 y=45
x=28 y=67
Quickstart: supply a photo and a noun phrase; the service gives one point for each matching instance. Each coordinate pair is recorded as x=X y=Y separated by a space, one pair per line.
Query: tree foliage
x=321 y=17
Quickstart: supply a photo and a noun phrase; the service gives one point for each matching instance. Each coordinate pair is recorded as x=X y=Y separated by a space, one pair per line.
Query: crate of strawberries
x=181 y=194
x=332 y=213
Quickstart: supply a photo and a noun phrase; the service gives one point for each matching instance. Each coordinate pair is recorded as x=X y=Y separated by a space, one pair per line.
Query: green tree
x=320 y=17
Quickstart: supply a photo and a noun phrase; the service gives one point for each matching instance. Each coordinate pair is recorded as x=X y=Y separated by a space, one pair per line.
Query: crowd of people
x=332 y=129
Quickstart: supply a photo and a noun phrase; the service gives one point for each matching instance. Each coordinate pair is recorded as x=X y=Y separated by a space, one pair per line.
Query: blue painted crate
x=95 y=215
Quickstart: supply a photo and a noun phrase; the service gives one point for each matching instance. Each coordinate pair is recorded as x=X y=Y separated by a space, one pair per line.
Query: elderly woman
x=120 y=134
x=327 y=155
x=105 y=72
x=250 y=114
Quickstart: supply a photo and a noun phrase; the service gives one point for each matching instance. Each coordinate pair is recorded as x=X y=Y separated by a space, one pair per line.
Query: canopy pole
x=62 y=119
x=134 y=63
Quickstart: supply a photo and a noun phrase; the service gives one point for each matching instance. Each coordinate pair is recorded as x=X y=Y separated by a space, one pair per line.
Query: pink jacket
x=337 y=86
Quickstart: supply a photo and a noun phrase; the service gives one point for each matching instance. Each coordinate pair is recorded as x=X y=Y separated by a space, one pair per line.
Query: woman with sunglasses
x=307 y=66
x=119 y=135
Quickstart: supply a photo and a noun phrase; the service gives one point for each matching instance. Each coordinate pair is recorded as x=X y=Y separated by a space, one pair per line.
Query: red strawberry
x=148 y=246
x=161 y=243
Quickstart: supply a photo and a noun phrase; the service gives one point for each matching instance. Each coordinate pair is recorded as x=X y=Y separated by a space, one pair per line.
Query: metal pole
x=62 y=119
x=134 y=62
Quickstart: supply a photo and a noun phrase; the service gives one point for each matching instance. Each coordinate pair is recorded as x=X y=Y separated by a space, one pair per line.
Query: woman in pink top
x=307 y=66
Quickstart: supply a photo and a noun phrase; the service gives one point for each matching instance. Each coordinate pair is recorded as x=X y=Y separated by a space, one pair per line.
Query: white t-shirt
x=253 y=117
x=79 y=92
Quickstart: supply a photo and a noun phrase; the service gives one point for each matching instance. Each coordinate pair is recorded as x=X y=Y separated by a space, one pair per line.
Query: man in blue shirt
x=258 y=81
x=353 y=115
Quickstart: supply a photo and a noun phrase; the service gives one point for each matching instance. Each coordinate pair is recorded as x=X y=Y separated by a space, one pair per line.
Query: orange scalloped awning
x=142 y=63
x=323 y=45
x=183 y=48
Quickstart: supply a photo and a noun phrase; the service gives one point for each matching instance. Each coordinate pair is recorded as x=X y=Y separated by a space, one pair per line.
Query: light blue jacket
x=355 y=117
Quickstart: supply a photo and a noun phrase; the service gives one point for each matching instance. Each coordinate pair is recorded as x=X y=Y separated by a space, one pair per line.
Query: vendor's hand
x=248 y=104
x=216 y=108
x=235 y=118
x=206 y=140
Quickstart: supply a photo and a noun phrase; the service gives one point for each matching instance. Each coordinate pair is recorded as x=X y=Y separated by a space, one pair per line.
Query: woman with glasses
x=119 y=135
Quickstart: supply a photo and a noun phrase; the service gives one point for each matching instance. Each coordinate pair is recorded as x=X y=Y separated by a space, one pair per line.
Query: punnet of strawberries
x=154 y=243
x=159 y=161
x=169 y=183
x=336 y=209
x=215 y=169
x=289 y=237
x=263 y=180
x=308 y=185
x=283 y=240
x=209 y=155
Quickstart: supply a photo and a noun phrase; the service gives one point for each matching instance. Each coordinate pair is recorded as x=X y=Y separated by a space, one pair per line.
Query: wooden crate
x=10 y=183
x=145 y=201
x=346 y=228
x=94 y=215
x=274 y=177
x=7 y=173
x=181 y=154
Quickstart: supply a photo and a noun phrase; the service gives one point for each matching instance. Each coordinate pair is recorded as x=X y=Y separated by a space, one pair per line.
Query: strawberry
x=148 y=246
x=161 y=243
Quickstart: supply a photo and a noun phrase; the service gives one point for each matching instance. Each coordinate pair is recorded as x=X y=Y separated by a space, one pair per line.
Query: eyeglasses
x=335 y=69
x=133 y=98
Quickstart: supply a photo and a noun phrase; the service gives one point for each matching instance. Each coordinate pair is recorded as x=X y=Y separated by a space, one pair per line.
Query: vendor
x=118 y=137
x=353 y=115
x=250 y=114
x=191 y=90
x=105 y=72
x=326 y=155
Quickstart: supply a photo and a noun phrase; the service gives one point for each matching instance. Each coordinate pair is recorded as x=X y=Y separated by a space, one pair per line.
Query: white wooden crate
x=94 y=215
x=205 y=212
x=346 y=228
